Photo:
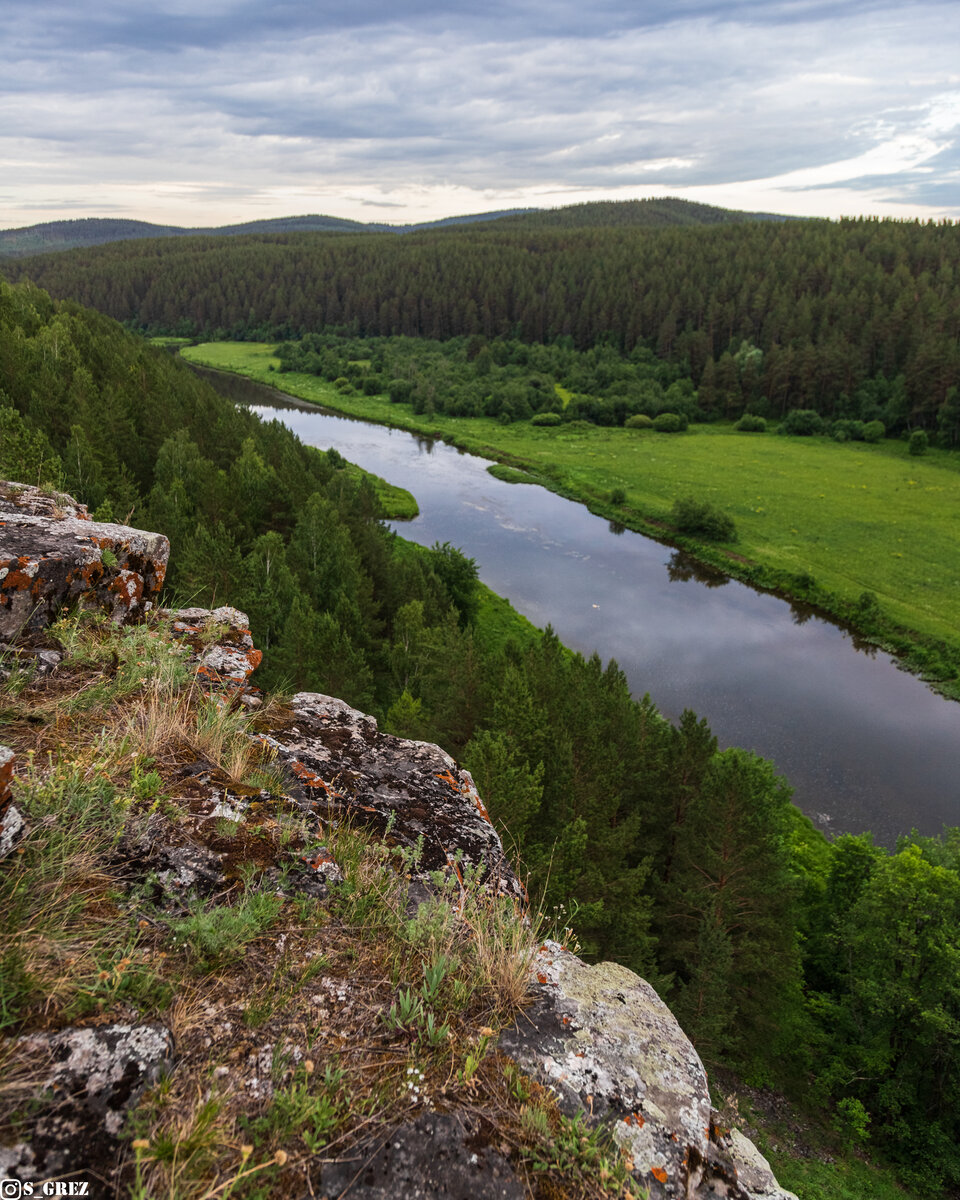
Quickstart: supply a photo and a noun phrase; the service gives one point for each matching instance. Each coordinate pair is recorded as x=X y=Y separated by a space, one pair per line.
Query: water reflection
x=802 y=612
x=682 y=568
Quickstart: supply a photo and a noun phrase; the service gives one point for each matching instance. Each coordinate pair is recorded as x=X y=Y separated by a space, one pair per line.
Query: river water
x=864 y=744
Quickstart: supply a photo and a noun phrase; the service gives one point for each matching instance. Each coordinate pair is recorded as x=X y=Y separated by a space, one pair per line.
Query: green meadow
x=829 y=523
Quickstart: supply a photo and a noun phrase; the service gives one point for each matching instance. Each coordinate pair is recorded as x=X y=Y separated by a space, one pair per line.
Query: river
x=864 y=744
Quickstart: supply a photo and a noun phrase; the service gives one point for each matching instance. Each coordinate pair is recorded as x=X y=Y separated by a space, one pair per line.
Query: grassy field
x=818 y=520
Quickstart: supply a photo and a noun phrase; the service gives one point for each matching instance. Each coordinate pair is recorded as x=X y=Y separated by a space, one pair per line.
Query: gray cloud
x=247 y=103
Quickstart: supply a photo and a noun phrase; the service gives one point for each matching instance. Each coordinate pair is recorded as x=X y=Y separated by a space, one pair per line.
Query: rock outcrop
x=411 y=793
x=598 y=1036
x=52 y=554
x=223 y=650
x=12 y=826
x=90 y=1079
x=602 y=1038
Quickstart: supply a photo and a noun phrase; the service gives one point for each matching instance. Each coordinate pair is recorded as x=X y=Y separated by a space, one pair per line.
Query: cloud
x=204 y=114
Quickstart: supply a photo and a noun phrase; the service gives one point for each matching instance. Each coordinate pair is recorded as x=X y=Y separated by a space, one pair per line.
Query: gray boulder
x=605 y=1042
x=80 y=1083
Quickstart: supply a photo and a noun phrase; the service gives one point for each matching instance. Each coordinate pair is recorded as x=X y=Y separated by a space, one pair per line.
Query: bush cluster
x=703 y=519
x=802 y=422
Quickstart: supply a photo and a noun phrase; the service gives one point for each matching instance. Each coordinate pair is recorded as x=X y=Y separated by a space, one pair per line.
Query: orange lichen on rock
x=7 y=761
x=318 y=860
x=18 y=578
x=659 y=1174
x=310 y=778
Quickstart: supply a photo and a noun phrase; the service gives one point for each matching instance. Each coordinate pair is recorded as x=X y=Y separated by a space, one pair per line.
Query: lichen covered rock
x=413 y=793
x=40 y=502
x=435 y=1157
x=222 y=646
x=52 y=554
x=82 y=1083
x=12 y=825
x=602 y=1038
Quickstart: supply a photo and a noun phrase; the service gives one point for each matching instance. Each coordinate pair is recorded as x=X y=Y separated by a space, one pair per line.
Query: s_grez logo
x=13 y=1189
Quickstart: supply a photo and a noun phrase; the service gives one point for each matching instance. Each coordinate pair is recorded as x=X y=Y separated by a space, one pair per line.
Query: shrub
x=638 y=421
x=668 y=423
x=874 y=431
x=846 y=430
x=749 y=423
x=545 y=418
x=399 y=390
x=802 y=422
x=918 y=442
x=618 y=496
x=703 y=519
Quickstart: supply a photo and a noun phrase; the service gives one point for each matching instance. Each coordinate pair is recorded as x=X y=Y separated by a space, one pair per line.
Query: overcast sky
x=204 y=112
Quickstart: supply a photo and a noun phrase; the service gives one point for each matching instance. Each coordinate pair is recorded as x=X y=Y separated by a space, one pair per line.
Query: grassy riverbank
x=397 y=503
x=864 y=532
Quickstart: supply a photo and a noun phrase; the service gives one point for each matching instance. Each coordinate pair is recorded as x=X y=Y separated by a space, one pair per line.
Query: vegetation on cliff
x=169 y=880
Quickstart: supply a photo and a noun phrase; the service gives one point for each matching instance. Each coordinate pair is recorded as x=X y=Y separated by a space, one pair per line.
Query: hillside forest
x=831 y=969
x=856 y=320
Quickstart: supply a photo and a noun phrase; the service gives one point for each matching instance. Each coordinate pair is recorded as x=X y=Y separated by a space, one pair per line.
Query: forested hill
x=648 y=214
x=54 y=236
x=831 y=307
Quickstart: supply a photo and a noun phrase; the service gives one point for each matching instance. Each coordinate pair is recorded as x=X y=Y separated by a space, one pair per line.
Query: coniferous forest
x=849 y=317
x=829 y=968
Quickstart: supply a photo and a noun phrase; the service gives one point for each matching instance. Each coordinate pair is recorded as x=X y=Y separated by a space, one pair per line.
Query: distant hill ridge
x=51 y=236
x=650 y=213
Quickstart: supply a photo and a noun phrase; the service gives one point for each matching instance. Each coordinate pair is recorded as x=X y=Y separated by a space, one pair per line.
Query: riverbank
x=814 y=517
